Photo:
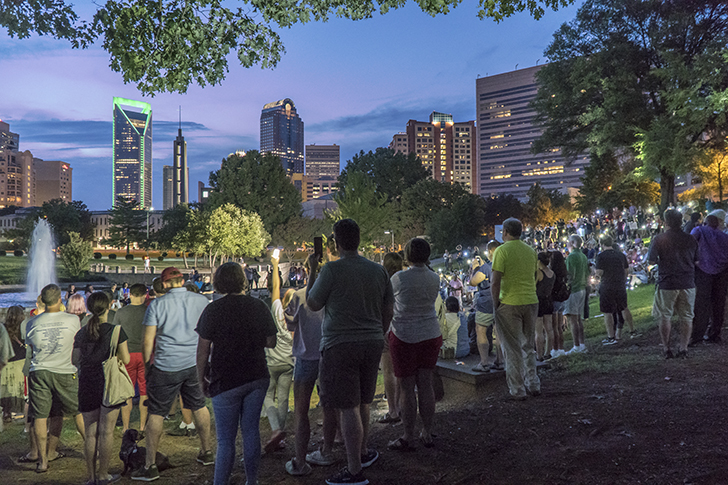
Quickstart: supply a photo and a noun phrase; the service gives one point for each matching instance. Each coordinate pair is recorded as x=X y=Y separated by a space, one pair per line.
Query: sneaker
x=295 y=470
x=369 y=457
x=557 y=353
x=206 y=458
x=582 y=348
x=321 y=459
x=146 y=474
x=480 y=368
x=634 y=334
x=609 y=341
x=344 y=477
x=574 y=350
x=497 y=366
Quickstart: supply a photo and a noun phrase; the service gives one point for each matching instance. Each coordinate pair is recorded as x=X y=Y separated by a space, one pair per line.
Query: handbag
x=117 y=383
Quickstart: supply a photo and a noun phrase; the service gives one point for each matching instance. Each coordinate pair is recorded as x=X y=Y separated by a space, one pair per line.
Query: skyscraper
x=8 y=140
x=180 y=183
x=281 y=133
x=506 y=131
x=53 y=180
x=167 y=187
x=132 y=152
x=322 y=169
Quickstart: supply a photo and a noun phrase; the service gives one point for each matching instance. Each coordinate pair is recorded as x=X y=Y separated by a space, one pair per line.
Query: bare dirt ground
x=616 y=415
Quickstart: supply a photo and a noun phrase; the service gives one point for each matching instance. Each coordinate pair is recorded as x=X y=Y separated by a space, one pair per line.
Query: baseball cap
x=170 y=273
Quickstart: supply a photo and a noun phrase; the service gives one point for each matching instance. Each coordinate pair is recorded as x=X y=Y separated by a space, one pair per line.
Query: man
x=169 y=332
x=612 y=268
x=52 y=383
x=358 y=301
x=675 y=253
x=306 y=327
x=513 y=289
x=131 y=319
x=696 y=219
x=577 y=267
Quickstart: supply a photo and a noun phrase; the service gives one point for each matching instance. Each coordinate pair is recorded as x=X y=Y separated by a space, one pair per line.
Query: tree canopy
x=64 y=218
x=638 y=79
x=256 y=182
x=127 y=224
x=169 y=45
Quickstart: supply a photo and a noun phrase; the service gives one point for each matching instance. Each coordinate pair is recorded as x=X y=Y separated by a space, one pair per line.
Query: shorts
x=545 y=307
x=49 y=391
x=348 y=373
x=681 y=303
x=163 y=387
x=306 y=371
x=575 y=304
x=135 y=368
x=484 y=319
x=408 y=358
x=612 y=300
x=558 y=307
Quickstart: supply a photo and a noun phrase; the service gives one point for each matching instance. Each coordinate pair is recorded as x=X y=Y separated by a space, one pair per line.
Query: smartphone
x=276 y=253
x=318 y=247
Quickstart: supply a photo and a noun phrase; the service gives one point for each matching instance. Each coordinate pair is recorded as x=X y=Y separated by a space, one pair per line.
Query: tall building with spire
x=180 y=176
x=132 y=151
x=281 y=133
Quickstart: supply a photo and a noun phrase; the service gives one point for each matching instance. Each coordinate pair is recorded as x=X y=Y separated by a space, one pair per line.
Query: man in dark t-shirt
x=675 y=253
x=612 y=266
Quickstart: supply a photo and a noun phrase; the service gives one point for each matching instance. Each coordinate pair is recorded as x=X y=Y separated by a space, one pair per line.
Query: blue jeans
x=240 y=405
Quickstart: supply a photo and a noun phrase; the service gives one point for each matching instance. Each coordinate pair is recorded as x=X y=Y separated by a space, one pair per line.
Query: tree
x=360 y=200
x=168 y=45
x=232 y=232
x=641 y=80
x=64 y=217
x=392 y=172
x=463 y=223
x=127 y=224
x=299 y=232
x=713 y=172
x=498 y=209
x=256 y=182
x=75 y=254
x=545 y=206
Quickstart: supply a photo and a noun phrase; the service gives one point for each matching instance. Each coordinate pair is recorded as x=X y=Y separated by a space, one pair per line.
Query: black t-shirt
x=675 y=253
x=95 y=352
x=238 y=327
x=613 y=263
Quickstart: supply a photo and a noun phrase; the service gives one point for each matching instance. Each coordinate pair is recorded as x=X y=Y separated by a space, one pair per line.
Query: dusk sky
x=354 y=84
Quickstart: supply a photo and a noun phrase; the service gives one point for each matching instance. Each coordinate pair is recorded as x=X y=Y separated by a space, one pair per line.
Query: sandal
x=389 y=419
x=59 y=455
x=26 y=459
x=38 y=469
x=400 y=444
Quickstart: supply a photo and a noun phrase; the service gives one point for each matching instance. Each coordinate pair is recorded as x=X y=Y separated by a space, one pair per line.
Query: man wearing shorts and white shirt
x=577 y=267
x=52 y=382
x=675 y=252
x=358 y=301
x=169 y=333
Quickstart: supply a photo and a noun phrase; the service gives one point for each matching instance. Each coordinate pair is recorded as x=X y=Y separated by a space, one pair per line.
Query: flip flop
x=400 y=444
x=39 y=470
x=27 y=459
x=59 y=455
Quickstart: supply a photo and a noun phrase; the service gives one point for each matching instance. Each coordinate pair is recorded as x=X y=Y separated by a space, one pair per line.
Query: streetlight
x=392 y=234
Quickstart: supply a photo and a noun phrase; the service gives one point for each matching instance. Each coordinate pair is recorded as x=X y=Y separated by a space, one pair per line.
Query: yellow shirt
x=518 y=263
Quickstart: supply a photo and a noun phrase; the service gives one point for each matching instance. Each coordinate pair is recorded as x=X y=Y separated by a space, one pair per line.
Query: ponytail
x=98 y=304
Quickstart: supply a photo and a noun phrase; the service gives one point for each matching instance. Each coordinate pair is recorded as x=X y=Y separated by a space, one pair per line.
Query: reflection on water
x=26 y=300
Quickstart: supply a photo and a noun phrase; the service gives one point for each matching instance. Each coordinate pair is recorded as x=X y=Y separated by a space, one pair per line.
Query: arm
x=203 y=361
x=122 y=353
x=150 y=333
x=313 y=263
x=476 y=277
x=495 y=284
x=271 y=341
x=275 y=282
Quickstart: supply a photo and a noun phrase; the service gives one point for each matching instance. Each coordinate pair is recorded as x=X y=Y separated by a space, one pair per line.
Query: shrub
x=161 y=258
x=97 y=255
x=164 y=255
x=112 y=256
x=75 y=254
x=3 y=252
x=129 y=257
x=18 y=252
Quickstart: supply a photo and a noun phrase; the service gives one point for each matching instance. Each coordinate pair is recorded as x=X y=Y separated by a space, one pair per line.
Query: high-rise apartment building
x=8 y=139
x=323 y=161
x=132 y=151
x=53 y=180
x=167 y=187
x=17 y=180
x=281 y=133
x=446 y=148
x=181 y=180
x=506 y=131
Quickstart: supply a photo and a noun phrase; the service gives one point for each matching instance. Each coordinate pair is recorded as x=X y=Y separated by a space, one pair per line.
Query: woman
x=77 y=306
x=234 y=332
x=560 y=294
x=12 y=380
x=545 y=279
x=415 y=341
x=91 y=348
x=392 y=263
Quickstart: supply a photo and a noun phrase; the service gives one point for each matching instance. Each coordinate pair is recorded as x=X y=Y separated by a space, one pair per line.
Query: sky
x=354 y=84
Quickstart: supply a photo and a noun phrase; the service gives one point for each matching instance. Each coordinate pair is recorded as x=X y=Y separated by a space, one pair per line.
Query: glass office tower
x=132 y=151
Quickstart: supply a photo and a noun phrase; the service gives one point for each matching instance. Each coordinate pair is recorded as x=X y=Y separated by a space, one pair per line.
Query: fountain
x=42 y=269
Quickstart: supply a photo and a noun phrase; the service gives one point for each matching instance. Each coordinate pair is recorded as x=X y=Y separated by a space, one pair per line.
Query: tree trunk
x=184 y=258
x=667 y=191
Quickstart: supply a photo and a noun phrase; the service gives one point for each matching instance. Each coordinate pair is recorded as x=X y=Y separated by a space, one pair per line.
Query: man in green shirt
x=513 y=288
x=577 y=267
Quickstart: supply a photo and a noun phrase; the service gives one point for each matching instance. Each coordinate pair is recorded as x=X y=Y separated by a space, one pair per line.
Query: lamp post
x=392 y=234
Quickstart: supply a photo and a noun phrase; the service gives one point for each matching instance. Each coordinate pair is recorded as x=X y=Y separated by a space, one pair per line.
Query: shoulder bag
x=117 y=383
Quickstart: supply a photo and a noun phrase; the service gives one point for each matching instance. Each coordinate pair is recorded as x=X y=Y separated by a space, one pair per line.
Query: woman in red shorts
x=414 y=342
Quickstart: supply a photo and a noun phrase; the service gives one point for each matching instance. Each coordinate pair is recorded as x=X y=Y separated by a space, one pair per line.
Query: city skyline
x=370 y=82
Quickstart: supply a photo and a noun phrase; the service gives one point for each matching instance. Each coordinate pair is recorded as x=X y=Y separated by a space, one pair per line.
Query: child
x=454 y=330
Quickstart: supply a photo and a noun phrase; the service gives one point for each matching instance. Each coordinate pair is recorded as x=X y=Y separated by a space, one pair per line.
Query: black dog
x=134 y=456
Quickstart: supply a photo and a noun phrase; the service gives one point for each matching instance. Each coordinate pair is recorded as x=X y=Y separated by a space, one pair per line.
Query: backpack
x=561 y=290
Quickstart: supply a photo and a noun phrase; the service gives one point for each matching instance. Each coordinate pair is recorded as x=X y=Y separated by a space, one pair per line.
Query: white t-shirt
x=415 y=291
x=282 y=353
x=50 y=339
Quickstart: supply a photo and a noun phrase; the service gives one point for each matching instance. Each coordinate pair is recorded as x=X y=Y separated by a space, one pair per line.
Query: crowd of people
x=352 y=319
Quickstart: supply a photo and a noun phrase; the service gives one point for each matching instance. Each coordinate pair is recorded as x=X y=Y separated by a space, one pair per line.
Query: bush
x=161 y=258
x=3 y=252
x=18 y=252
x=112 y=256
x=97 y=255
x=164 y=255
x=75 y=255
x=129 y=257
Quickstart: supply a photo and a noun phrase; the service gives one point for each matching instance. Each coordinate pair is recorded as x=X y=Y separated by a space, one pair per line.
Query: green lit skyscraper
x=132 y=151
